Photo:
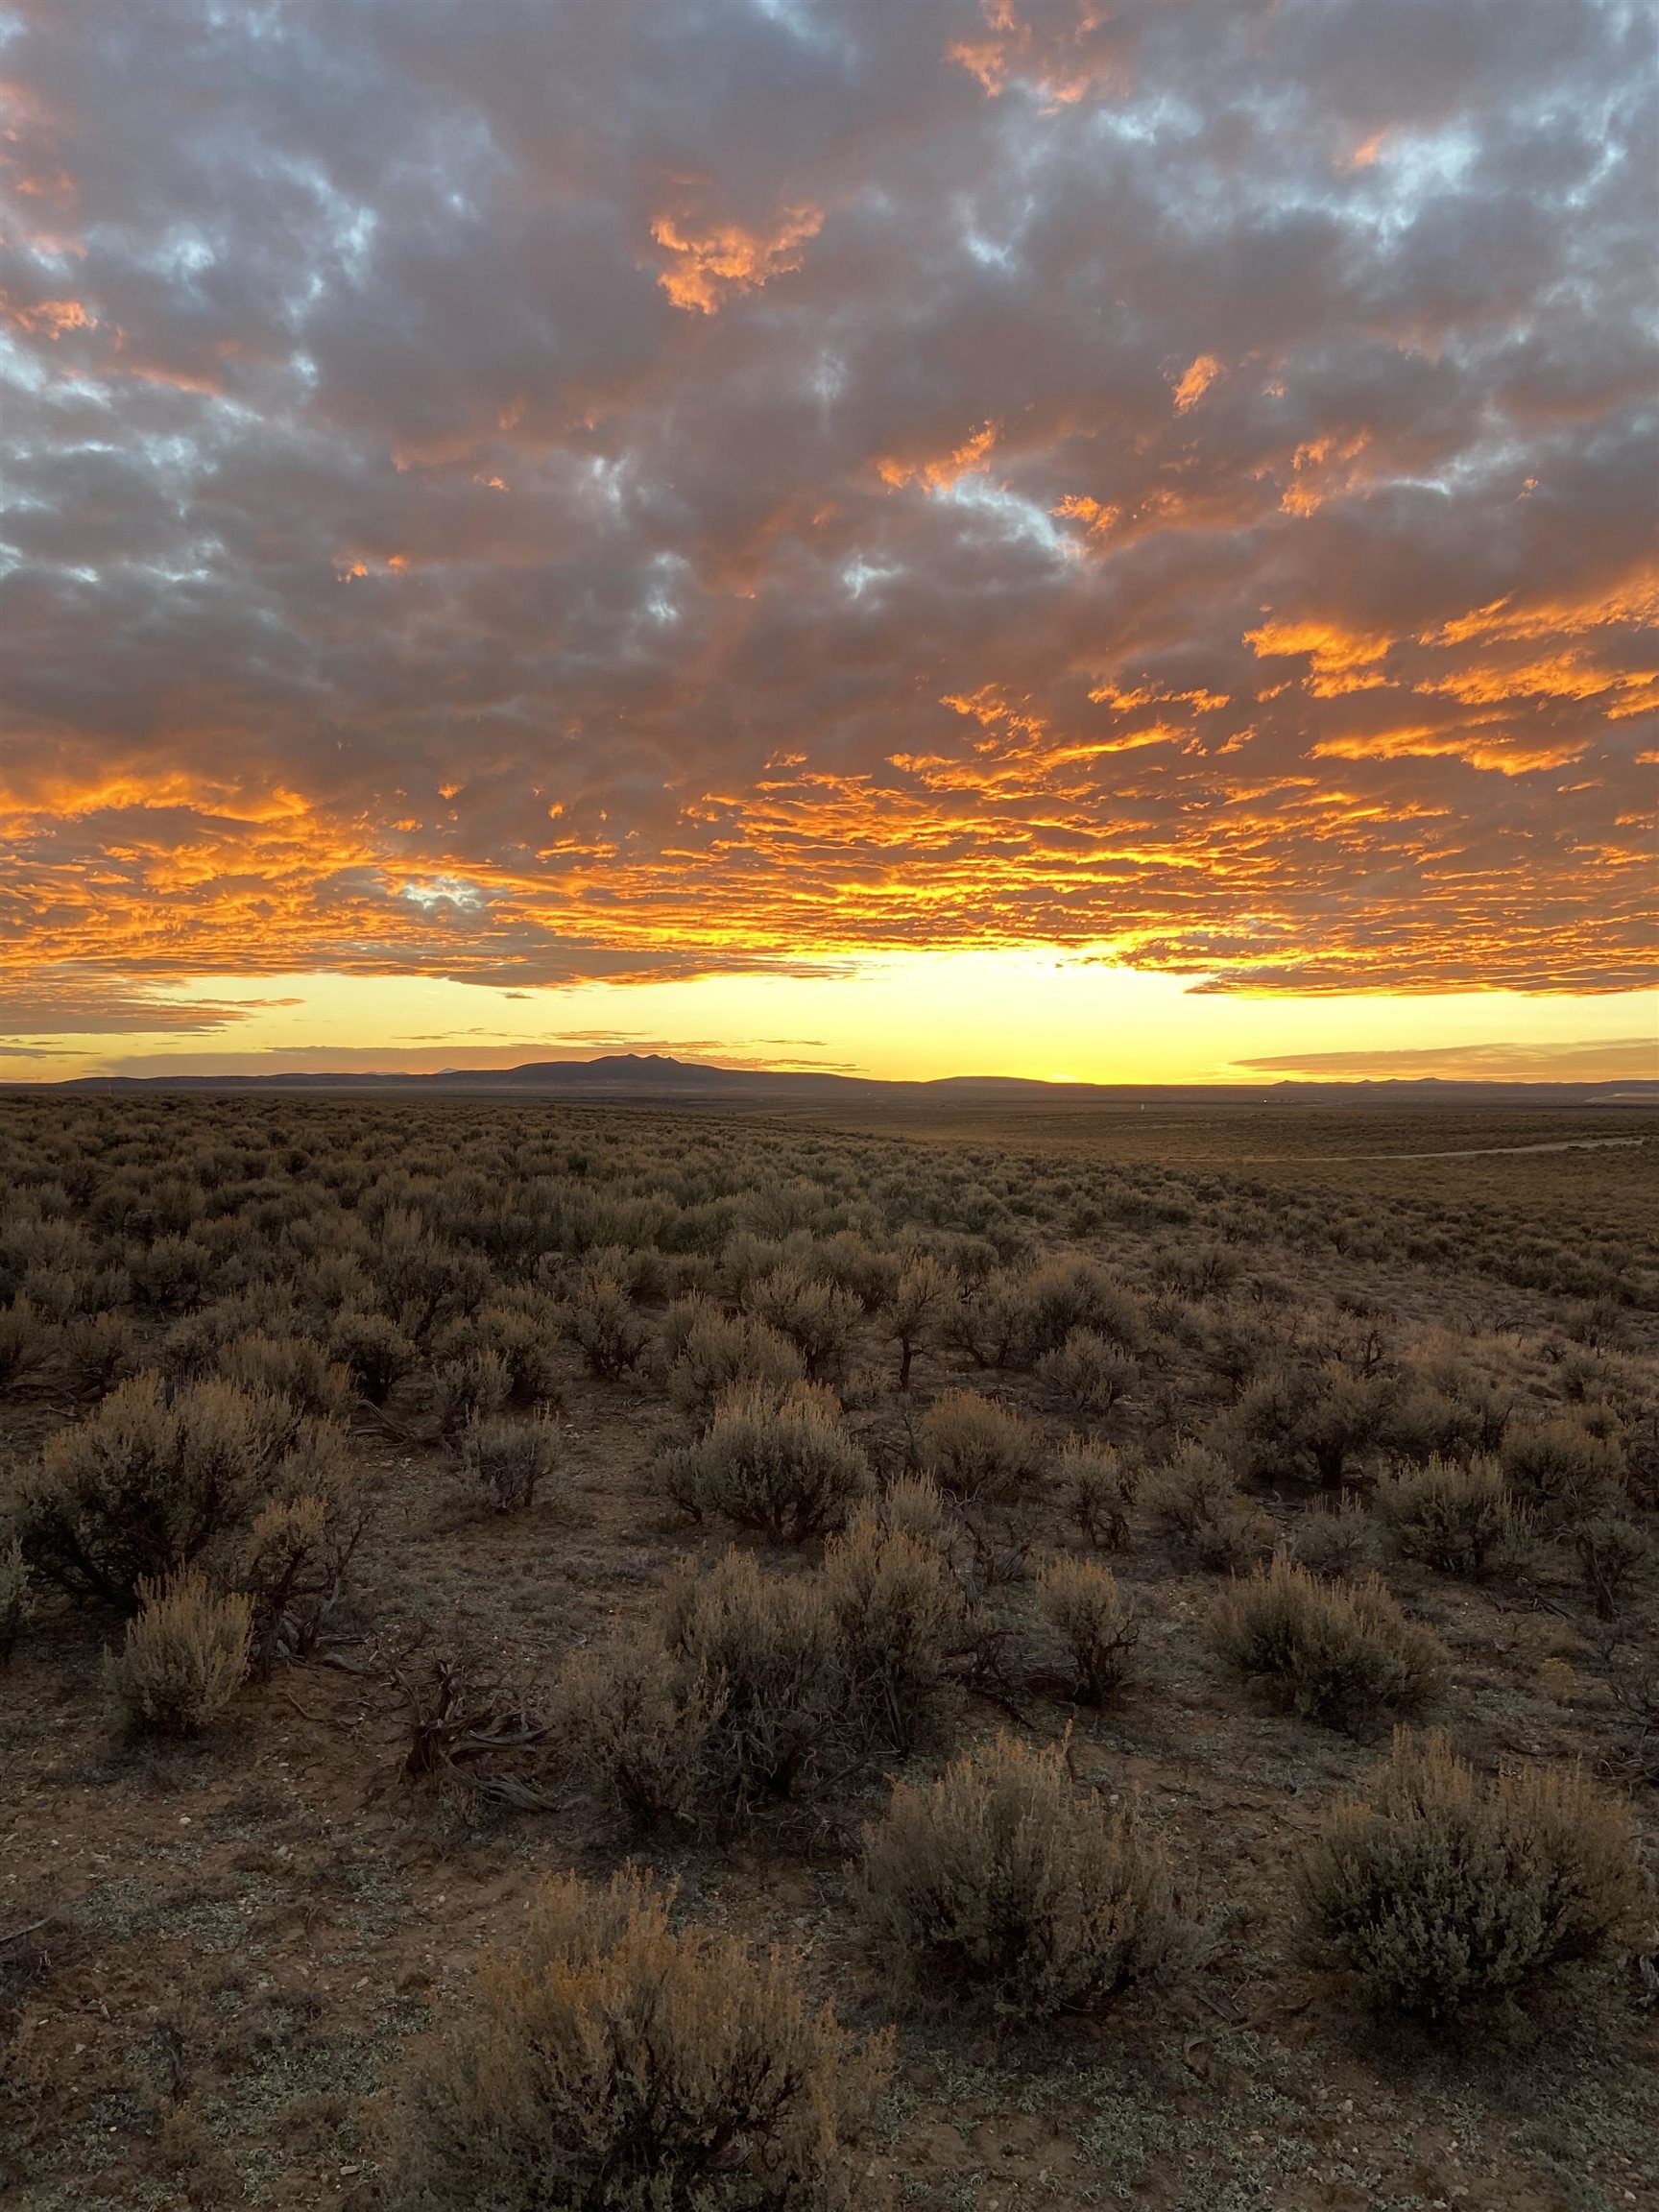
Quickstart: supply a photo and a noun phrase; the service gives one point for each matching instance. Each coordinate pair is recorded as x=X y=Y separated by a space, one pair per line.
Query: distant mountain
x=656 y=1076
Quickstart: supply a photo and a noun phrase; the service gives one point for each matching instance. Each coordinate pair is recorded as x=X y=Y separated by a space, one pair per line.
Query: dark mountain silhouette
x=656 y=1076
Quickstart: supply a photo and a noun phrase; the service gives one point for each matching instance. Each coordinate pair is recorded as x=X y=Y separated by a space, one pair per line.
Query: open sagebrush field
x=984 y=1562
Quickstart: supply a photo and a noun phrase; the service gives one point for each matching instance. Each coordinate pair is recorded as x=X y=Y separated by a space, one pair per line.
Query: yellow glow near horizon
x=1039 y=1013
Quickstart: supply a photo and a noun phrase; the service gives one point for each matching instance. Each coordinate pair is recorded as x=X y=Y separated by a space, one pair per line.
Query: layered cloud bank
x=532 y=494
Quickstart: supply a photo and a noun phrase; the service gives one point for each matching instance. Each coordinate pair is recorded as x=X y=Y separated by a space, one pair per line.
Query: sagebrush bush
x=1062 y=1296
x=620 y=2063
x=633 y=1716
x=184 y=1658
x=1097 y=1487
x=1095 y=1621
x=1003 y=1880
x=1088 y=1374
x=1336 y=1541
x=293 y=1367
x=899 y=1619
x=1309 y=1424
x=509 y=1457
x=1614 y=1557
x=290 y=1569
x=99 y=1348
x=786 y=1464
x=1441 y=1892
x=525 y=1334
x=1461 y=1519
x=987 y=1320
x=374 y=1352
x=191 y=1348
x=713 y=1352
x=764 y=1650
x=816 y=1316
x=169 y=1272
x=145 y=1483
x=1331 y=1651
x=13 y=1596
x=606 y=1328
x=471 y=1386
x=1561 y=1472
x=915 y=1304
x=1424 y=1424
x=25 y=1340
x=1193 y=1500
x=916 y=1504
x=978 y=1450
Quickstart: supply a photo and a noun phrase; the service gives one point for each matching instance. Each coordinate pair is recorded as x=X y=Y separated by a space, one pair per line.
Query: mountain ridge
x=656 y=1075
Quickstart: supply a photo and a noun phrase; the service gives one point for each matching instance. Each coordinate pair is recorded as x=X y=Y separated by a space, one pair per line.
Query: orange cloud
x=1344 y=660
x=1634 y=600
x=1062 y=63
x=716 y=264
x=1195 y=381
x=1508 y=754
x=1320 y=472
x=943 y=471
x=1562 y=676
x=1099 y=517
x=46 y=318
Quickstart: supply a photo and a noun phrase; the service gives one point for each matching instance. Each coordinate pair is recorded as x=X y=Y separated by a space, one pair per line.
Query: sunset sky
x=907 y=536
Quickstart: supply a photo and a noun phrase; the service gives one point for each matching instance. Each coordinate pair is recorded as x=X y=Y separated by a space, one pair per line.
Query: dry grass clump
x=979 y=1451
x=184 y=1658
x=1461 y=1519
x=1442 y=1893
x=1095 y=1624
x=784 y=1464
x=898 y=1617
x=1331 y=1651
x=621 y=2064
x=146 y=1482
x=509 y=1457
x=1003 y=1880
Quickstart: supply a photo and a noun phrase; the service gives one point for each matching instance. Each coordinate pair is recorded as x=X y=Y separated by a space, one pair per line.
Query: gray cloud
x=1591 y=1060
x=531 y=493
